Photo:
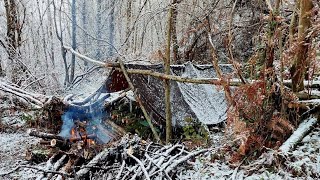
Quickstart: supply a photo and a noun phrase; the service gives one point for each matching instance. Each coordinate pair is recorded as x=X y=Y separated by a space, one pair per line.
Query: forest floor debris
x=301 y=162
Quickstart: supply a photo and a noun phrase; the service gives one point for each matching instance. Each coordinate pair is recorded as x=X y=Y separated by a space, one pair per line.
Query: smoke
x=67 y=125
x=93 y=114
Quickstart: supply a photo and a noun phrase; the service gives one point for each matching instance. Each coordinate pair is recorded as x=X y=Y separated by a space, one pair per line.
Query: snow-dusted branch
x=299 y=134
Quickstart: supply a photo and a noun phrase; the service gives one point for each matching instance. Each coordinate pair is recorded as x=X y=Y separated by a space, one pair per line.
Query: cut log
x=44 y=142
x=303 y=129
x=35 y=133
x=63 y=145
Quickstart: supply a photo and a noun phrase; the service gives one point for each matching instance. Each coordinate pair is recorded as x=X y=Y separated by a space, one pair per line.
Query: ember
x=79 y=133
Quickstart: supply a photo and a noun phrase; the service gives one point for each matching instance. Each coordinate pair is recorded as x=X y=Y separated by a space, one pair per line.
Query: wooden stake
x=167 y=82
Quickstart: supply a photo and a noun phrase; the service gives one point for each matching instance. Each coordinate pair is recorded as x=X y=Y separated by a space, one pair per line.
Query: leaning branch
x=83 y=57
x=214 y=81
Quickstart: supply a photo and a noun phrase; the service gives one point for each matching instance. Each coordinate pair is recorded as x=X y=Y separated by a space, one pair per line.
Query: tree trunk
x=300 y=61
x=128 y=23
x=174 y=32
x=99 y=29
x=84 y=25
x=167 y=82
x=111 y=28
x=14 y=29
x=74 y=39
x=50 y=32
x=60 y=38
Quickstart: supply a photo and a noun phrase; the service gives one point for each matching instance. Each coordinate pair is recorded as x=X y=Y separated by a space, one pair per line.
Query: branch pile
x=129 y=157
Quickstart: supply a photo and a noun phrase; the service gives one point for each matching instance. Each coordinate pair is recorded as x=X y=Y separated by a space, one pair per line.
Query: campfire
x=80 y=134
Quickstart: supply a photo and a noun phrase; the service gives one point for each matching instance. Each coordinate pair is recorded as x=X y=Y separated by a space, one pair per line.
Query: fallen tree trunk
x=37 y=100
x=307 y=96
x=303 y=129
x=307 y=84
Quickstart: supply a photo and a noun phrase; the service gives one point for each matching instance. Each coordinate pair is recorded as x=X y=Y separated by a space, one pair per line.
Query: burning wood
x=88 y=138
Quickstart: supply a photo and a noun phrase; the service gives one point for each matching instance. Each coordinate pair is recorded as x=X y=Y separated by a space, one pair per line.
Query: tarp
x=205 y=103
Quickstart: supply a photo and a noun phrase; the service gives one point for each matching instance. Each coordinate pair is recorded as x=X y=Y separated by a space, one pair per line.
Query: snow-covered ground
x=12 y=154
x=301 y=163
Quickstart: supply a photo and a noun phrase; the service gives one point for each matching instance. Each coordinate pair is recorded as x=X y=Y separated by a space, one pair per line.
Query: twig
x=129 y=171
x=141 y=165
x=121 y=169
x=98 y=167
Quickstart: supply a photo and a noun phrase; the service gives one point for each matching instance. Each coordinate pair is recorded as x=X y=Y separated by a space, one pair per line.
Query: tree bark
x=300 y=61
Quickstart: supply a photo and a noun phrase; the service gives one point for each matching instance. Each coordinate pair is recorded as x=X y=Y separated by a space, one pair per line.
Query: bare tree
x=60 y=37
x=15 y=23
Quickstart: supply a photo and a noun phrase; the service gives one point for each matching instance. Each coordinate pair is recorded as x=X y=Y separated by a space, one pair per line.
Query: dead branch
x=307 y=84
x=83 y=57
x=29 y=97
x=214 y=81
x=181 y=160
x=225 y=85
x=121 y=169
x=36 y=168
x=141 y=165
x=104 y=155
